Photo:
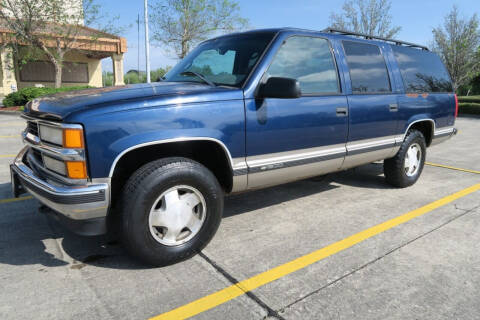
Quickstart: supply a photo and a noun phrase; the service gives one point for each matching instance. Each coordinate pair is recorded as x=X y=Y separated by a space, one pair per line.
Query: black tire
x=394 y=168
x=143 y=189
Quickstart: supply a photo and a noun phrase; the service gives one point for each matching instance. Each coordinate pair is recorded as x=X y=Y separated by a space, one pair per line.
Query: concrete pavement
x=425 y=268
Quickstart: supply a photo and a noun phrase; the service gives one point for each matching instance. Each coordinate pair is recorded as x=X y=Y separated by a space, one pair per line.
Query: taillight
x=456 y=105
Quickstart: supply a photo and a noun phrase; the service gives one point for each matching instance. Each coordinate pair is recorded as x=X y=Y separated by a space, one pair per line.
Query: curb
x=16 y=112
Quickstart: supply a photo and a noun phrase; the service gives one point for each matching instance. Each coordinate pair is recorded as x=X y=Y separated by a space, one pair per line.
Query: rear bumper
x=77 y=206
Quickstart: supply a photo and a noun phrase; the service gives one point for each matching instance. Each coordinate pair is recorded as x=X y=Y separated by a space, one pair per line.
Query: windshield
x=223 y=61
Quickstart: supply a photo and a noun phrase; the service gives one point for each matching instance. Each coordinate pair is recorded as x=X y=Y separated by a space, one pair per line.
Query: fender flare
x=420 y=120
x=157 y=142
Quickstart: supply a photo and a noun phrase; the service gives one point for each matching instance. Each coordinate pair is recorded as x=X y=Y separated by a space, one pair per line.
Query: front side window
x=223 y=61
x=422 y=71
x=310 y=61
x=368 y=72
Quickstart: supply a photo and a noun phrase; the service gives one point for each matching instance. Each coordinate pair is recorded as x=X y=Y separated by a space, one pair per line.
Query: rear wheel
x=171 y=210
x=405 y=168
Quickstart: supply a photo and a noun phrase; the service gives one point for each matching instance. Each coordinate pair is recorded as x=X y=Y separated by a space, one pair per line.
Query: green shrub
x=469 y=108
x=22 y=96
x=475 y=99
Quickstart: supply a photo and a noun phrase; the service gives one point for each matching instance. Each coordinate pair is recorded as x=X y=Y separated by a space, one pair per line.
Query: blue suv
x=240 y=112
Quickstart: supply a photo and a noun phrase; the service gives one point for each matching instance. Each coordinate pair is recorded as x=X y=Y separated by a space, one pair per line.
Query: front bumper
x=82 y=208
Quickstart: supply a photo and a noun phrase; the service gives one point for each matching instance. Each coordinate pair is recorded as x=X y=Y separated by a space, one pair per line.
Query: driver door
x=291 y=139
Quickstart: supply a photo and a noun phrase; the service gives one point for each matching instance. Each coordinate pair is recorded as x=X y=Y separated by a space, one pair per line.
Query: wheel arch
x=210 y=152
x=426 y=126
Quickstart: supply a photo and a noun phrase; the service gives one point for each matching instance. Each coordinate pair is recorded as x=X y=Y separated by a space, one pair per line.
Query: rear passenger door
x=373 y=106
x=289 y=139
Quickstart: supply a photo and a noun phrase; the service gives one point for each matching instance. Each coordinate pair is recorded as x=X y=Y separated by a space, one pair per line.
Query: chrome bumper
x=90 y=201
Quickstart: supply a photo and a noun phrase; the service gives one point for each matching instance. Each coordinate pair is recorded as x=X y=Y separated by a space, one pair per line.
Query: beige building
x=82 y=66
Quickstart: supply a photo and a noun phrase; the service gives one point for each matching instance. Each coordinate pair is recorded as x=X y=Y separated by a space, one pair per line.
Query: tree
x=370 y=17
x=457 y=43
x=180 y=24
x=50 y=27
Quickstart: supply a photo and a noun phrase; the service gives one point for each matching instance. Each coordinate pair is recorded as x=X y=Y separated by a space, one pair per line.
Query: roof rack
x=366 y=36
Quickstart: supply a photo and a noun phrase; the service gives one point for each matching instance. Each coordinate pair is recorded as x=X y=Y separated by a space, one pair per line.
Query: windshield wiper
x=198 y=75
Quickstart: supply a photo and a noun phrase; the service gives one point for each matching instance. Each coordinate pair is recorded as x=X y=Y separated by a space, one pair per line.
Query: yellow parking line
x=7 y=155
x=15 y=199
x=11 y=136
x=215 y=299
x=452 y=168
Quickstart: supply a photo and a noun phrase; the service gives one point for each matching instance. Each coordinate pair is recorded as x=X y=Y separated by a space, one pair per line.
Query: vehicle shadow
x=29 y=237
x=249 y=201
x=368 y=176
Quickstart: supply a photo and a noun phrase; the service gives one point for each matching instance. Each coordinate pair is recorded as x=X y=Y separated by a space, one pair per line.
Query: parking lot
x=342 y=246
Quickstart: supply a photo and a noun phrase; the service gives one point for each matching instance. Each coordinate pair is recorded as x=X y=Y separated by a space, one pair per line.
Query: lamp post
x=147 y=42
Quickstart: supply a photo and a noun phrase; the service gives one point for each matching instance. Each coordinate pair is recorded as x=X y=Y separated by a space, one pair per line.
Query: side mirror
x=281 y=88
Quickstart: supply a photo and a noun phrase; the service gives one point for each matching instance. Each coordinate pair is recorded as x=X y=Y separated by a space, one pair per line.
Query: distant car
x=240 y=112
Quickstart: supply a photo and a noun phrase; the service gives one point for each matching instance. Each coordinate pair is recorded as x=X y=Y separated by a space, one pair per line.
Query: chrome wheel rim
x=413 y=159
x=177 y=215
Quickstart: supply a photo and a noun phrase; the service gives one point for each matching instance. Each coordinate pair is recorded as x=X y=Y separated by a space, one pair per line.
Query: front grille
x=38 y=156
x=32 y=127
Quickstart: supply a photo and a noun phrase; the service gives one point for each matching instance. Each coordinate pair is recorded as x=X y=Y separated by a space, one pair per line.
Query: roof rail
x=366 y=36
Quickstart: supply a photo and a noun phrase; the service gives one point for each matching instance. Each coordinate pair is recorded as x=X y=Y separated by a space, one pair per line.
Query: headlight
x=70 y=169
x=67 y=138
x=55 y=165
x=51 y=134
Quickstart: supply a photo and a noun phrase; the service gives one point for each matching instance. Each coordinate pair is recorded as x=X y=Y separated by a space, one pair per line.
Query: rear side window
x=422 y=70
x=310 y=61
x=368 y=71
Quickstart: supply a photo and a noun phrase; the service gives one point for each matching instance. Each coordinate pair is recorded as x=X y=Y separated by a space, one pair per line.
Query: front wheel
x=405 y=168
x=171 y=210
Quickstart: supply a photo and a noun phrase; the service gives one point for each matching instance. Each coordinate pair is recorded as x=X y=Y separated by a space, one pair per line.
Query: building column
x=117 y=60
x=9 y=82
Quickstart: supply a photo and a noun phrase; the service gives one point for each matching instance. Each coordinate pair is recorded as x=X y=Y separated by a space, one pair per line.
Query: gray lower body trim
x=277 y=168
x=443 y=134
x=294 y=163
x=271 y=169
x=371 y=149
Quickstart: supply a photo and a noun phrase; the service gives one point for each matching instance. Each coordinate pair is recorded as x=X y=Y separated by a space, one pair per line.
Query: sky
x=415 y=17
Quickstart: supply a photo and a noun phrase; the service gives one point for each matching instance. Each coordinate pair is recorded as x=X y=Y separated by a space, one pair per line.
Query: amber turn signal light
x=73 y=138
x=76 y=169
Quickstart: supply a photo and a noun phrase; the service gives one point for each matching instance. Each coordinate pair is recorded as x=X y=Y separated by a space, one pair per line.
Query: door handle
x=393 y=107
x=342 y=112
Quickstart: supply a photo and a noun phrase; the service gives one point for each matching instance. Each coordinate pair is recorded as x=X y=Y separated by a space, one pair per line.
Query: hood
x=59 y=106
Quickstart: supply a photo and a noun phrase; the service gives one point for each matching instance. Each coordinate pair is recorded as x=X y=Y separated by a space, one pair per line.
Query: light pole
x=147 y=42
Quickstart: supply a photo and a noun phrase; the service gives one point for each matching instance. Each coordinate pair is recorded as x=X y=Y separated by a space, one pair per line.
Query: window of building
x=368 y=71
x=310 y=61
x=422 y=71
x=44 y=71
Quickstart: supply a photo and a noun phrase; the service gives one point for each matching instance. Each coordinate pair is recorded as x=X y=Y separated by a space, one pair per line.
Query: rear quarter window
x=422 y=71
x=368 y=71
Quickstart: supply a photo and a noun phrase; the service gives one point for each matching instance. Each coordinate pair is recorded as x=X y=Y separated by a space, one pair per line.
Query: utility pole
x=138 y=45
x=147 y=42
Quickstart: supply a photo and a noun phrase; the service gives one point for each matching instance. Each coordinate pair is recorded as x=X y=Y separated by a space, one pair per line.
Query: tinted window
x=44 y=71
x=310 y=61
x=422 y=71
x=225 y=60
x=368 y=71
